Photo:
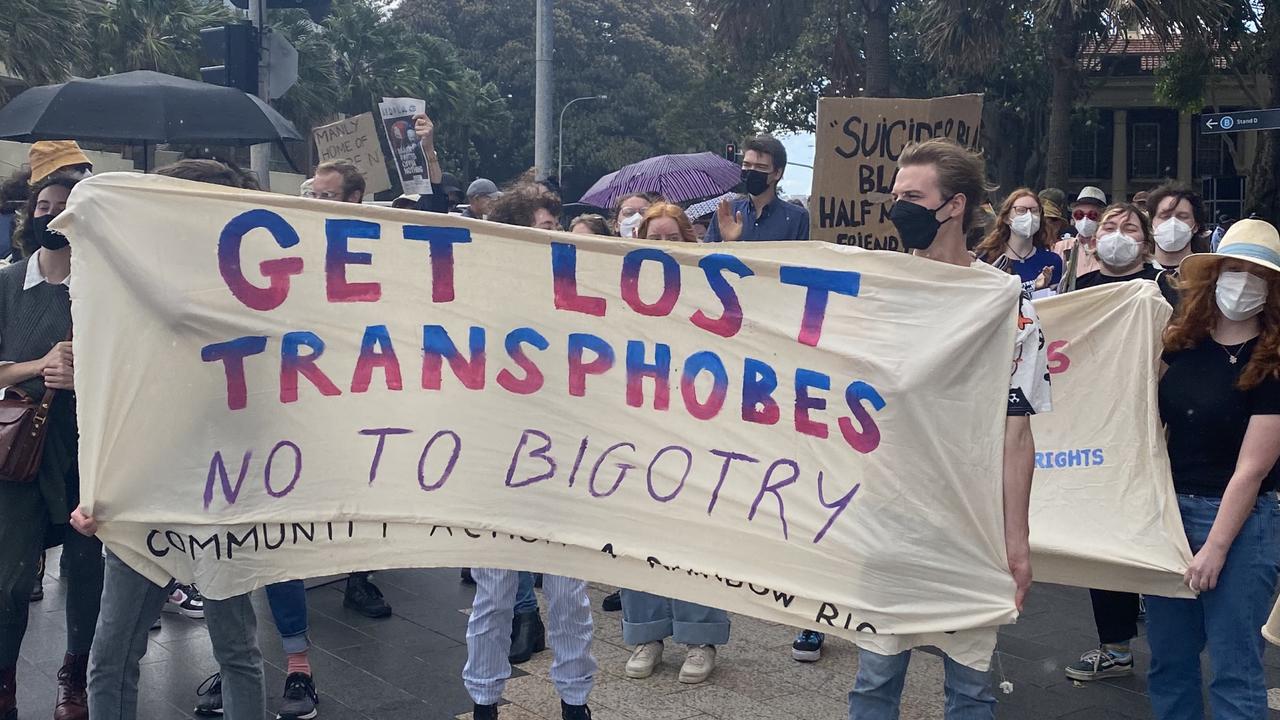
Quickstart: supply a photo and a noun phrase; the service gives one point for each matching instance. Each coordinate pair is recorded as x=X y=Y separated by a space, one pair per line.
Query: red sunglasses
x=1082 y=214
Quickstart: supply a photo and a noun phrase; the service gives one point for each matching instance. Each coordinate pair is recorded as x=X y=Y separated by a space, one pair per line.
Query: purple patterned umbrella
x=679 y=178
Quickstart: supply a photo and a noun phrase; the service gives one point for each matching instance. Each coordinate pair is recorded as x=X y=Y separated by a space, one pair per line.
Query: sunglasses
x=1082 y=214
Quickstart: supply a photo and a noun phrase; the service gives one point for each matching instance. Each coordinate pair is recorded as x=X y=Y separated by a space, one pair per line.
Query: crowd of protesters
x=1219 y=398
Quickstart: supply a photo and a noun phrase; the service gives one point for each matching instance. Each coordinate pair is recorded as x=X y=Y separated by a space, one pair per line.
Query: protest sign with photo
x=857 y=148
x=355 y=139
x=787 y=430
x=404 y=144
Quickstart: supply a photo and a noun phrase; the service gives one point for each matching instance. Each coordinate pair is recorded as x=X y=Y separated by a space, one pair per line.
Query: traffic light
x=230 y=57
x=316 y=8
x=731 y=153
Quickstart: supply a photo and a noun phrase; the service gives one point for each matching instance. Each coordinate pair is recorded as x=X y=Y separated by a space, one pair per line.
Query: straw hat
x=1253 y=241
x=48 y=156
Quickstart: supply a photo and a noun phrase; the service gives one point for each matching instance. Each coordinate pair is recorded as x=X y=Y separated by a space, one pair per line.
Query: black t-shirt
x=1207 y=416
x=1096 y=278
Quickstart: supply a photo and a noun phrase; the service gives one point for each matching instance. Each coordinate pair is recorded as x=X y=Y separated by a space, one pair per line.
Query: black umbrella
x=143 y=107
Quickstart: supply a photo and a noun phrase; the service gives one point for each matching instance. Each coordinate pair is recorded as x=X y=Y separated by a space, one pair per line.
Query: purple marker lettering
x=729 y=457
x=623 y=467
x=381 y=434
x=839 y=505
x=218 y=470
x=297 y=468
x=448 y=468
x=538 y=454
x=774 y=489
x=688 y=466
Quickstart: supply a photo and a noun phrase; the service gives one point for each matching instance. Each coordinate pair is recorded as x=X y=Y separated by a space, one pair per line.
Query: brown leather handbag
x=23 y=424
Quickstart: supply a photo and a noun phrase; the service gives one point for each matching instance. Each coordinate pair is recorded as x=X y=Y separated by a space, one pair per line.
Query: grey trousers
x=24 y=518
x=130 y=606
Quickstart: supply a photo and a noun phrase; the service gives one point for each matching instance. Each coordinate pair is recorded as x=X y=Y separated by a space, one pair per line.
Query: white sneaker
x=645 y=658
x=698 y=664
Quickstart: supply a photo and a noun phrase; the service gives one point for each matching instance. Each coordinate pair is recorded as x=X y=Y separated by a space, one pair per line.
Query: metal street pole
x=560 y=153
x=544 y=89
x=260 y=155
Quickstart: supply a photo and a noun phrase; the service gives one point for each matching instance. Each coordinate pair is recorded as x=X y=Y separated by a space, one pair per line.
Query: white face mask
x=1025 y=225
x=627 y=228
x=1117 y=250
x=1173 y=235
x=1086 y=226
x=1240 y=295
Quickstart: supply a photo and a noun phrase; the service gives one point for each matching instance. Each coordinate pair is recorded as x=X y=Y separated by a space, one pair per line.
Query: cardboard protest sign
x=788 y=430
x=406 y=148
x=355 y=139
x=1103 y=510
x=858 y=143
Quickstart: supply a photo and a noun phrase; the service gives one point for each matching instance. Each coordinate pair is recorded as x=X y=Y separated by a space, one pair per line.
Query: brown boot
x=8 y=694
x=73 y=700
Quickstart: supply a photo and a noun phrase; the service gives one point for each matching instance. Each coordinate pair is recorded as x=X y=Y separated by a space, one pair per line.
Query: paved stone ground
x=408 y=666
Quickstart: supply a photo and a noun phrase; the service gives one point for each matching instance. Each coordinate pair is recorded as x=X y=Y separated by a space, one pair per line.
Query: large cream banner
x=272 y=388
x=1103 y=510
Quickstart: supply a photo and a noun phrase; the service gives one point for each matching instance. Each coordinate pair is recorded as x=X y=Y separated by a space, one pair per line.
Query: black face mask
x=47 y=238
x=917 y=224
x=756 y=182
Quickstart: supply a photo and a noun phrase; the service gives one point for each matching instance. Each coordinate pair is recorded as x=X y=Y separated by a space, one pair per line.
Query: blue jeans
x=877 y=690
x=130 y=604
x=1225 y=620
x=649 y=618
x=526 y=601
x=288 y=601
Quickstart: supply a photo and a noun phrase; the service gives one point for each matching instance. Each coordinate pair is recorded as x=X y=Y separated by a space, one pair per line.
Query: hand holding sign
x=730 y=222
x=425 y=129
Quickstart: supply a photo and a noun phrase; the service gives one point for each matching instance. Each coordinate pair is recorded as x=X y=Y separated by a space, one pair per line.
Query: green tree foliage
x=670 y=88
x=160 y=35
x=41 y=41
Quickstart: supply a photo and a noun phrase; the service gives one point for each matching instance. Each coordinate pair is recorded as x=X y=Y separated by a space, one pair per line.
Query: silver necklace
x=1234 y=357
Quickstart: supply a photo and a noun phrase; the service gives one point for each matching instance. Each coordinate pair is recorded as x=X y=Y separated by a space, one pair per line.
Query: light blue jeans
x=1225 y=620
x=877 y=690
x=649 y=618
x=130 y=605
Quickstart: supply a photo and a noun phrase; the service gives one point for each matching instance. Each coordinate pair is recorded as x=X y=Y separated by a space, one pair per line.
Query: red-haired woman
x=666 y=222
x=1019 y=243
x=1220 y=401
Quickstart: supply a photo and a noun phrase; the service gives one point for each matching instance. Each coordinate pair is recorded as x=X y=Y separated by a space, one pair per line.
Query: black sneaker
x=484 y=712
x=186 y=600
x=466 y=577
x=574 y=712
x=210 y=693
x=611 y=603
x=300 y=698
x=37 y=592
x=364 y=597
x=808 y=646
x=1099 y=664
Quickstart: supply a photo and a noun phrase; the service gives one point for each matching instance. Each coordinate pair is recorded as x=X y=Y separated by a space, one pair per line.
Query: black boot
x=364 y=597
x=612 y=603
x=574 y=712
x=484 y=712
x=528 y=636
x=466 y=577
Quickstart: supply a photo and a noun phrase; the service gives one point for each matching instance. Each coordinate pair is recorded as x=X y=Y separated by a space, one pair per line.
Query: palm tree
x=41 y=41
x=372 y=56
x=160 y=35
x=770 y=25
x=967 y=36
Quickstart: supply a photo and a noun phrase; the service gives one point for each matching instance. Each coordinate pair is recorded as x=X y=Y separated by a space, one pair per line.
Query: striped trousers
x=569 y=628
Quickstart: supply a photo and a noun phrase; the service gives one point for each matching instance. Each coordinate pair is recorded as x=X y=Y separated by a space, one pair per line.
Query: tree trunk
x=876 y=47
x=1263 y=194
x=1063 y=51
